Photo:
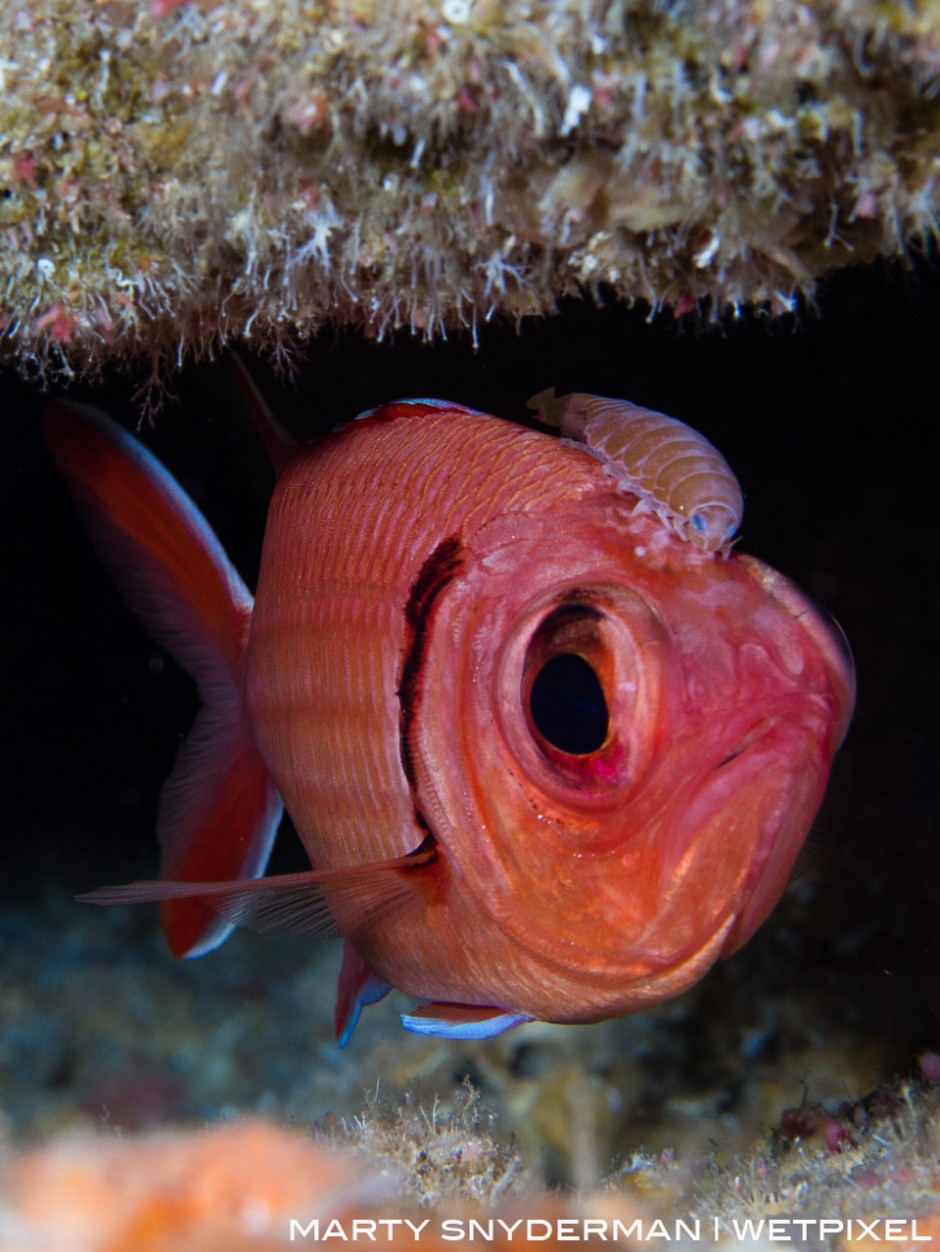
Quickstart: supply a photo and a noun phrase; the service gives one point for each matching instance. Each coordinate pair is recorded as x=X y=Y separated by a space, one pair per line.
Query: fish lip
x=775 y=777
x=819 y=624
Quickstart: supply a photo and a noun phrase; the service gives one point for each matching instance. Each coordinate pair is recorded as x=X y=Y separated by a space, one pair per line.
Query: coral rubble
x=250 y=1185
x=178 y=176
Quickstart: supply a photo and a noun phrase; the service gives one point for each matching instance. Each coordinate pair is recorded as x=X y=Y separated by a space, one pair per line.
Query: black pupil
x=568 y=706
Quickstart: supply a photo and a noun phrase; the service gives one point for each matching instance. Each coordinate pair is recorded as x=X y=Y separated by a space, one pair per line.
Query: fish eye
x=579 y=684
x=566 y=676
x=567 y=705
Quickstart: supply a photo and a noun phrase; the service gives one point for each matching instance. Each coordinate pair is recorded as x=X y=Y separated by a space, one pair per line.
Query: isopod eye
x=710 y=526
x=567 y=705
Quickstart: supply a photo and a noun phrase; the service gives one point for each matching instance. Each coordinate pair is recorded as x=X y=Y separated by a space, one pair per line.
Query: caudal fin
x=219 y=811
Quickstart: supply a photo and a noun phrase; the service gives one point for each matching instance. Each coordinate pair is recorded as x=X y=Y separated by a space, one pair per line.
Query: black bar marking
x=439 y=569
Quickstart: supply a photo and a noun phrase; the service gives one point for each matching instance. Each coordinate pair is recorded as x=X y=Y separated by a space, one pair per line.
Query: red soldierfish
x=550 y=749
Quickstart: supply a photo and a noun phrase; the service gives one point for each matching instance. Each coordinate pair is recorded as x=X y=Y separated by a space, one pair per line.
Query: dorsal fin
x=280 y=445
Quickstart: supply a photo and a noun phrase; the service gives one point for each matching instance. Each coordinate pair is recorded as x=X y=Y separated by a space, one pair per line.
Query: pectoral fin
x=296 y=904
x=293 y=904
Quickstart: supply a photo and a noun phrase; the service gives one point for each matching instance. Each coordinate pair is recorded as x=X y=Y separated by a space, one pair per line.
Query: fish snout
x=823 y=632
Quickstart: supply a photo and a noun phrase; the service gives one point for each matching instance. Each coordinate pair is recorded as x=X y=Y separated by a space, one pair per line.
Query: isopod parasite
x=673 y=470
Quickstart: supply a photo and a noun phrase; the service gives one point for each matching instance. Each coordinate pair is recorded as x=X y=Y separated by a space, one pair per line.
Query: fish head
x=620 y=742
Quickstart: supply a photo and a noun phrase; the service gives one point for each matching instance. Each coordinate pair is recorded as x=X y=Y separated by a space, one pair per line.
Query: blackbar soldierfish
x=549 y=760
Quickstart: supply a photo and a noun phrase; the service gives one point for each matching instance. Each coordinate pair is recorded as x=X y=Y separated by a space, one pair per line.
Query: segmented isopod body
x=675 y=471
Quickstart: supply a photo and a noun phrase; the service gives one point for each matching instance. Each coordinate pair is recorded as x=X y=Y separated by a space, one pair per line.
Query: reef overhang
x=183 y=175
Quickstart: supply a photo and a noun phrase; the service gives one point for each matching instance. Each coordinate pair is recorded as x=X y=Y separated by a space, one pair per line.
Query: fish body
x=547 y=759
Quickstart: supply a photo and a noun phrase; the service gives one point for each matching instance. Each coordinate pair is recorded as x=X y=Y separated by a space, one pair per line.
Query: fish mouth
x=729 y=857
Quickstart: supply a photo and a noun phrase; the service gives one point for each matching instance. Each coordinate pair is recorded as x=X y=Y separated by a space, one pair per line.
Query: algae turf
x=175 y=177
